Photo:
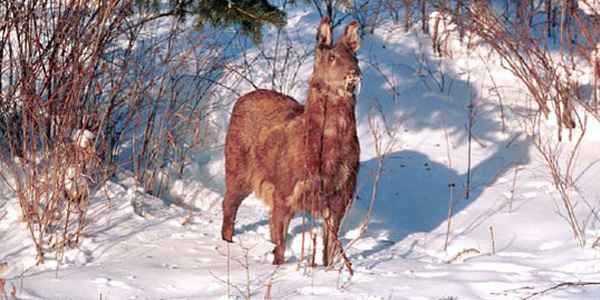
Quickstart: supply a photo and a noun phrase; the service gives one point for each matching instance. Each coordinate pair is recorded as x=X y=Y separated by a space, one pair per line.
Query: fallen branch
x=560 y=285
x=512 y=291
x=460 y=255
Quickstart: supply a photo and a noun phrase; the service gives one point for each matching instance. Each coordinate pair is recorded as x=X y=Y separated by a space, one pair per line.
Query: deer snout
x=353 y=79
x=354 y=75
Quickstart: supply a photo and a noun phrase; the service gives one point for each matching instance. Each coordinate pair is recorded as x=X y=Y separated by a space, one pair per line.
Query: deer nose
x=355 y=72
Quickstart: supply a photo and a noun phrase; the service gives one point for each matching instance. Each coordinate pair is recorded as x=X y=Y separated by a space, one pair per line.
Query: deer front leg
x=279 y=223
x=231 y=203
x=331 y=228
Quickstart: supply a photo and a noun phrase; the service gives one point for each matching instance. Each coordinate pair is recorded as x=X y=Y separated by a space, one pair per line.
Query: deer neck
x=324 y=100
x=330 y=126
x=330 y=110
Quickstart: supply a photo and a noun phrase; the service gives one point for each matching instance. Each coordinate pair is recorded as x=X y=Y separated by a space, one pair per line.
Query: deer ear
x=324 y=36
x=351 y=37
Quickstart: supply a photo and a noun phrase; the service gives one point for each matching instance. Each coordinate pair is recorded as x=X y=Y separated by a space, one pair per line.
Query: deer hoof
x=227 y=235
x=278 y=261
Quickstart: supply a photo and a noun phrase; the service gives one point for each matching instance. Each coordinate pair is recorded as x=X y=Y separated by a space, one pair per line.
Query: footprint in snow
x=430 y=274
x=167 y=288
x=203 y=260
x=170 y=266
x=119 y=284
x=550 y=245
x=314 y=290
x=100 y=281
x=112 y=283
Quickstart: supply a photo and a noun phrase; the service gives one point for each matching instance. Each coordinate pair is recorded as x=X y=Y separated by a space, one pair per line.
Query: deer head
x=336 y=65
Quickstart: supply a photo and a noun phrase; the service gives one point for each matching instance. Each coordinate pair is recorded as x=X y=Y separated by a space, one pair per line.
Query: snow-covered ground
x=494 y=252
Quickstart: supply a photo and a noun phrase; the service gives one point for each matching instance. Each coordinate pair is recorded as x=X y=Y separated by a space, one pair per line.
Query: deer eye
x=331 y=57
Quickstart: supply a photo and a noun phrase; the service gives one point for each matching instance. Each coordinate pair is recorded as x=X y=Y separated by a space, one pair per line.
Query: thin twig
x=557 y=286
x=451 y=185
x=514 y=183
x=493 y=240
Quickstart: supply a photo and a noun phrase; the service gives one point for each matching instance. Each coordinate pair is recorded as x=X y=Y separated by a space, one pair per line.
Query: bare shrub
x=332 y=9
x=549 y=74
x=51 y=55
x=550 y=70
x=167 y=115
x=87 y=89
x=443 y=31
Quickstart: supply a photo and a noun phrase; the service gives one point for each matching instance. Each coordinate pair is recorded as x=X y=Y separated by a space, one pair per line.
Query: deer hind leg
x=231 y=203
x=279 y=223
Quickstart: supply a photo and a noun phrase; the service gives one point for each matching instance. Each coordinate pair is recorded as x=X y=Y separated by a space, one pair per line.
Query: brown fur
x=296 y=157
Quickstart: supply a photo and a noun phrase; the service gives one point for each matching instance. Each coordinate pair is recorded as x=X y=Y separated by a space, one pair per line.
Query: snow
x=168 y=255
x=83 y=138
x=591 y=7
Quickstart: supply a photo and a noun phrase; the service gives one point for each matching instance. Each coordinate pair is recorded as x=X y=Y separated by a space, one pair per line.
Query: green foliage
x=248 y=16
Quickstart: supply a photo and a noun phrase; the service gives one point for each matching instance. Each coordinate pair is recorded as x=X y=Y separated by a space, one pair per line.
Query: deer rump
x=294 y=157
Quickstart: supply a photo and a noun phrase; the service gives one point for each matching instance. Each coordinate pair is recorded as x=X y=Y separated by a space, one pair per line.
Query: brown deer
x=294 y=157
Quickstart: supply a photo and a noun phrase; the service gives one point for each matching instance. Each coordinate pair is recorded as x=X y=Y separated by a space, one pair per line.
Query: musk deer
x=294 y=157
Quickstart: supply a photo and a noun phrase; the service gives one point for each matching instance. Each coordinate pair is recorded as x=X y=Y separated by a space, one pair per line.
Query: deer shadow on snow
x=413 y=194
